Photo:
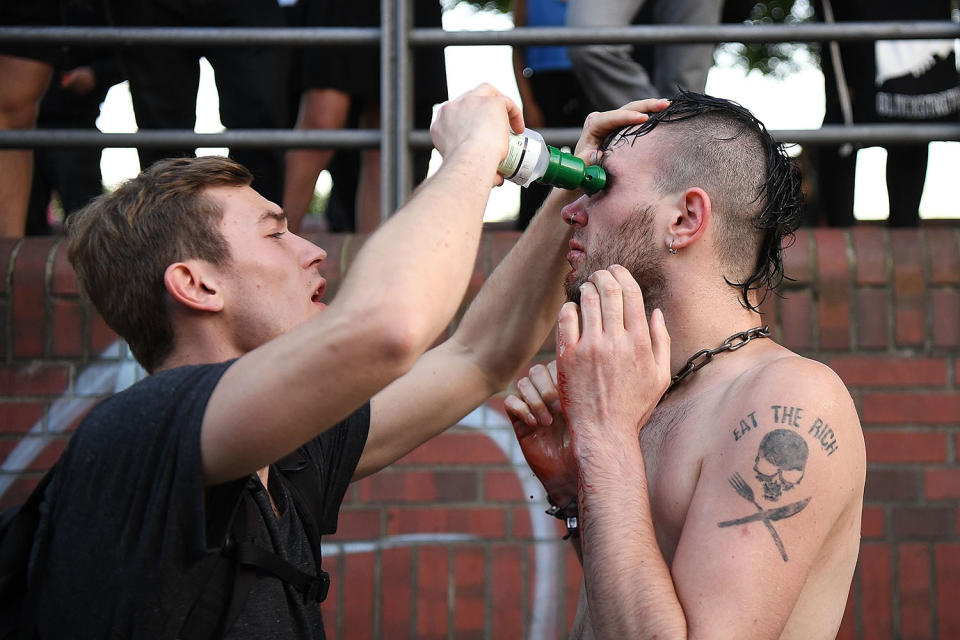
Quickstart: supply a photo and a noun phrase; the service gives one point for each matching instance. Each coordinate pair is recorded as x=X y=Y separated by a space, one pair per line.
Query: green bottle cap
x=567 y=171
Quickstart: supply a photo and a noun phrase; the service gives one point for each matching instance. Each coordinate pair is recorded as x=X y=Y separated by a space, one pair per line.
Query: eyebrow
x=278 y=216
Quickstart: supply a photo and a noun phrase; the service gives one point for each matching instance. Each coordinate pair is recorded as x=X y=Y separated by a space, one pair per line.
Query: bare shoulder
x=792 y=419
x=777 y=501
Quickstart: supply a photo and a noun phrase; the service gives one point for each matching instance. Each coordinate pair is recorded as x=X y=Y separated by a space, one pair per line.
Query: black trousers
x=251 y=81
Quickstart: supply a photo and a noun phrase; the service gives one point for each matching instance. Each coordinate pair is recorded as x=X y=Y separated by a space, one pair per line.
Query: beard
x=631 y=246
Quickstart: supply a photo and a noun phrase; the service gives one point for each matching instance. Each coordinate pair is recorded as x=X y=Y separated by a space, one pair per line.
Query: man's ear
x=692 y=220
x=192 y=284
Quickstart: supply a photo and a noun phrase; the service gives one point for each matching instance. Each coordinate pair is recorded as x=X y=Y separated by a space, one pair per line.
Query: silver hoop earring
x=671 y=249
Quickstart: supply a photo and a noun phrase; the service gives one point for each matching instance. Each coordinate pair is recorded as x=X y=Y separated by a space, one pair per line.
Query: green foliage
x=770 y=58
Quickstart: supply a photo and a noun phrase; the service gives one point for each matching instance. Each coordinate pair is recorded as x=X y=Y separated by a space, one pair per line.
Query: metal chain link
x=702 y=358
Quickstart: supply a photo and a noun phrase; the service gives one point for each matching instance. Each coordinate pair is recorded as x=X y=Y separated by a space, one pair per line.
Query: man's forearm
x=629 y=589
x=522 y=296
x=438 y=227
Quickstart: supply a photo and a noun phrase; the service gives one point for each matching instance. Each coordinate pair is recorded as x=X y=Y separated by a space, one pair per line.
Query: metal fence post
x=388 y=101
x=403 y=161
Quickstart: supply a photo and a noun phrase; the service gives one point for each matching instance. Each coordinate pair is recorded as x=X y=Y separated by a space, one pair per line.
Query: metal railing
x=397 y=38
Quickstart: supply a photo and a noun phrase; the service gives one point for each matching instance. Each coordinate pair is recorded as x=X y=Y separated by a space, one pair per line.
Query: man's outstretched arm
x=400 y=293
x=500 y=332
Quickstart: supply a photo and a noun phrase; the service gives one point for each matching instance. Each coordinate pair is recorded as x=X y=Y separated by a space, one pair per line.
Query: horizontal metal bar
x=171 y=138
x=169 y=36
x=806 y=32
x=866 y=134
x=335 y=36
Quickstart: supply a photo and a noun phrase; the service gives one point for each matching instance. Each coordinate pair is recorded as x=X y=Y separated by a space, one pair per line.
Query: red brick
x=942 y=484
x=947 y=563
x=848 y=624
x=35 y=379
x=101 y=335
x=911 y=408
x=486 y=523
x=877 y=580
x=7 y=248
x=905 y=446
x=944 y=251
x=893 y=485
x=395 y=594
x=523 y=525
x=922 y=523
x=833 y=283
x=358 y=524
x=67 y=328
x=64 y=278
x=909 y=287
x=913 y=564
x=873 y=523
x=29 y=305
x=358 y=596
x=19 y=417
x=796 y=312
x=502 y=486
x=19 y=490
x=456 y=448
x=946 y=318
x=48 y=456
x=871 y=255
x=420 y=486
x=870 y=371
x=797 y=261
x=873 y=318
x=507 y=575
x=469 y=594
x=432 y=588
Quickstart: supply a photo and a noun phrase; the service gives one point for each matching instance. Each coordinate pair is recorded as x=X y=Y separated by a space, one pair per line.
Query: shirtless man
x=728 y=507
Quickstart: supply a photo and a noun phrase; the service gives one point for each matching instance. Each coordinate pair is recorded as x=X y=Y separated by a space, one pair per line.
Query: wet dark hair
x=754 y=186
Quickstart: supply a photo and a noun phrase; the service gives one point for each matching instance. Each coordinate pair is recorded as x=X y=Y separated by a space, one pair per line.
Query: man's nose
x=575 y=213
x=312 y=254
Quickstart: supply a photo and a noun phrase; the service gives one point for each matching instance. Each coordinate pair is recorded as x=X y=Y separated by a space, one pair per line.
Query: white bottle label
x=521 y=160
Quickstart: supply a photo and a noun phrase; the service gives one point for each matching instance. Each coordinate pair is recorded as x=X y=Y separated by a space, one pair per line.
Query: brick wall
x=452 y=540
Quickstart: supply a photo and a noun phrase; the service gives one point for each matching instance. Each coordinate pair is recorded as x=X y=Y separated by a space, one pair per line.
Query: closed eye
x=277 y=234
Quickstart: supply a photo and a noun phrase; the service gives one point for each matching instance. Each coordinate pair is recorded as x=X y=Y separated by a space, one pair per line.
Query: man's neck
x=697 y=322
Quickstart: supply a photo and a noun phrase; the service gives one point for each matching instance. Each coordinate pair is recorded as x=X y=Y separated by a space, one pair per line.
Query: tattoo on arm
x=779 y=465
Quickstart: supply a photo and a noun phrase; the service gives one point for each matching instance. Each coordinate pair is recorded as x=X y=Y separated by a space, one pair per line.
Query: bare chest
x=672 y=448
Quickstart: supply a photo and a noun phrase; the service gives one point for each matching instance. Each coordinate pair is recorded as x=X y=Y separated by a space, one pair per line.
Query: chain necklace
x=703 y=357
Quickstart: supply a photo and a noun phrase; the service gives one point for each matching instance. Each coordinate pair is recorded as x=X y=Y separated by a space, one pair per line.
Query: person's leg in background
x=319 y=109
x=906 y=173
x=684 y=65
x=24 y=83
x=252 y=83
x=163 y=80
x=610 y=77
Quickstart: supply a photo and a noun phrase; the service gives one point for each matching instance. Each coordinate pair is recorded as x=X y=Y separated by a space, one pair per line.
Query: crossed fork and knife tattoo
x=767 y=516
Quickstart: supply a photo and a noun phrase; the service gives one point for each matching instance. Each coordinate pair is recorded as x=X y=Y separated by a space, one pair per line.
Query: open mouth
x=318 y=294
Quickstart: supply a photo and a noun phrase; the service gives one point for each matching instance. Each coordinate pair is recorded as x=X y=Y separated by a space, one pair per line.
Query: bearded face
x=629 y=245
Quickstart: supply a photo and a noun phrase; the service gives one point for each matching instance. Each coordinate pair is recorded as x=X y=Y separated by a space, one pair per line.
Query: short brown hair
x=121 y=244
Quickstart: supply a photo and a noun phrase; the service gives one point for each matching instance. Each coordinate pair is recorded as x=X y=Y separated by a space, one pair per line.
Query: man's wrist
x=569 y=513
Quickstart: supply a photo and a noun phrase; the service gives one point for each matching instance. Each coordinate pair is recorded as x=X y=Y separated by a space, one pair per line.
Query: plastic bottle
x=529 y=158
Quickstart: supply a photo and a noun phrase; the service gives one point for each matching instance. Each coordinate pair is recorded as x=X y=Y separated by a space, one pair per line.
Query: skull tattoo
x=780 y=462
